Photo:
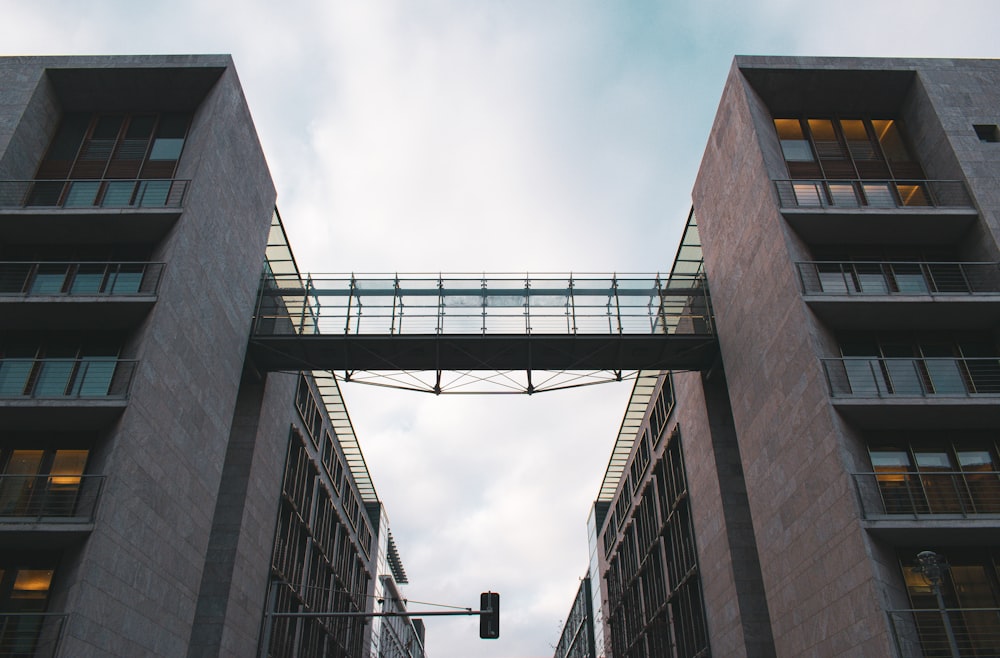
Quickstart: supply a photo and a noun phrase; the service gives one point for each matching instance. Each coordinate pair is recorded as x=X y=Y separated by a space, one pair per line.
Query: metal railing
x=34 y=634
x=52 y=497
x=91 y=377
x=873 y=194
x=868 y=377
x=487 y=305
x=898 y=278
x=928 y=493
x=79 y=278
x=147 y=193
x=921 y=633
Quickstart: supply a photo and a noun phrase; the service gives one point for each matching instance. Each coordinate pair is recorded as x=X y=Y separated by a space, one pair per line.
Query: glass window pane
x=107 y=127
x=828 y=147
x=88 y=279
x=858 y=143
x=982 y=479
x=126 y=280
x=118 y=194
x=32 y=584
x=913 y=194
x=82 y=194
x=166 y=149
x=67 y=140
x=94 y=377
x=866 y=376
x=941 y=485
x=14 y=376
x=933 y=461
x=53 y=378
x=153 y=193
x=67 y=466
x=893 y=474
x=24 y=462
x=808 y=194
x=843 y=195
x=49 y=279
x=18 y=482
x=13 y=278
x=879 y=195
x=904 y=376
x=870 y=279
x=832 y=278
x=890 y=460
x=909 y=278
x=891 y=140
x=794 y=145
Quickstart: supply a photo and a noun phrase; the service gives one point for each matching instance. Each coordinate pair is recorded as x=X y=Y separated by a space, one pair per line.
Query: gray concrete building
x=159 y=493
x=831 y=486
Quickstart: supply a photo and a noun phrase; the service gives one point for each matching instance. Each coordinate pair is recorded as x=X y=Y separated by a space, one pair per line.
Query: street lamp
x=933 y=566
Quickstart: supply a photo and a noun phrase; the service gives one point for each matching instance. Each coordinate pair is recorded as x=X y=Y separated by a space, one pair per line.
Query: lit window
x=794 y=145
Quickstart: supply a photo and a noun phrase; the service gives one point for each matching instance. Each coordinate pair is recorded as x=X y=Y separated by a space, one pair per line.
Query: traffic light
x=489 y=615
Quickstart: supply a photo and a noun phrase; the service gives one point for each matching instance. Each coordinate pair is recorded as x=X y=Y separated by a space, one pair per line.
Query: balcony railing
x=921 y=633
x=92 y=377
x=79 y=279
x=30 y=634
x=898 y=278
x=883 y=194
x=52 y=497
x=928 y=492
x=875 y=377
x=156 y=193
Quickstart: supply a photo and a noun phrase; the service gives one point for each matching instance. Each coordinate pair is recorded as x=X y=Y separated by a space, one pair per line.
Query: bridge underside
x=495 y=352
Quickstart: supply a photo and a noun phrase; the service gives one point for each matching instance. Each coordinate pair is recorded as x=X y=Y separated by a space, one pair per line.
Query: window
x=919 y=365
x=937 y=476
x=25 y=583
x=851 y=148
x=58 y=370
x=794 y=144
x=987 y=133
x=36 y=482
x=970 y=590
x=111 y=160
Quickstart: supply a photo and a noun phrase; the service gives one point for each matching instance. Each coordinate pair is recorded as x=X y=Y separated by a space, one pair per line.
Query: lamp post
x=932 y=566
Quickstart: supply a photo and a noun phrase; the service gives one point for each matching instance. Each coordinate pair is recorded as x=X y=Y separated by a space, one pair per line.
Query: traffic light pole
x=489 y=617
x=432 y=613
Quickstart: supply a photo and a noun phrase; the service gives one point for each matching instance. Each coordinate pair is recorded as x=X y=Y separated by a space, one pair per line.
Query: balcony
x=908 y=507
x=920 y=633
x=50 y=510
x=86 y=211
x=883 y=393
x=63 y=394
x=30 y=634
x=84 y=295
x=876 y=211
x=899 y=294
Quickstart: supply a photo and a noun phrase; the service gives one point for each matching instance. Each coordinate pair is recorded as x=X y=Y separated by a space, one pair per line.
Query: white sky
x=490 y=135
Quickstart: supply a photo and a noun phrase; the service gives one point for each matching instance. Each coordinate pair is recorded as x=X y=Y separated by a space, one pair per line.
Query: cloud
x=490 y=493
x=501 y=135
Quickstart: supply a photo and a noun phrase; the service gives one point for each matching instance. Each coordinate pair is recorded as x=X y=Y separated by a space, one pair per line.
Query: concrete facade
x=802 y=549
x=189 y=443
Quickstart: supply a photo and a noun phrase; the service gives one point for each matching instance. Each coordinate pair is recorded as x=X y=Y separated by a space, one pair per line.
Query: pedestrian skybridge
x=488 y=332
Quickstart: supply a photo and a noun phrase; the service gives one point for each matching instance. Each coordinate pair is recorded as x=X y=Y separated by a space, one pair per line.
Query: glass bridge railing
x=494 y=304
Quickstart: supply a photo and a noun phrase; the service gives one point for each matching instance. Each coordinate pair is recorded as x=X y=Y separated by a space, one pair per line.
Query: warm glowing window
x=25 y=582
x=32 y=584
x=794 y=145
x=847 y=148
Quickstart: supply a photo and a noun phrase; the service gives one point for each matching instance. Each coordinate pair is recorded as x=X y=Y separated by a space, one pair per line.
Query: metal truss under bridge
x=488 y=332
